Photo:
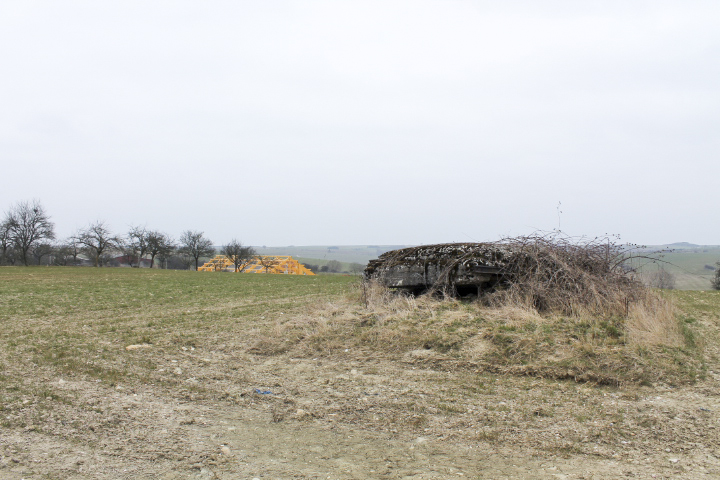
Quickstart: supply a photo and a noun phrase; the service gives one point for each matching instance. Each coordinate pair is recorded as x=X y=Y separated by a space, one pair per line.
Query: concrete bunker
x=454 y=268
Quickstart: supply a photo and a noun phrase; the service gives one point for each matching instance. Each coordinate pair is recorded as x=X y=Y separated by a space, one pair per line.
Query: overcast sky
x=363 y=122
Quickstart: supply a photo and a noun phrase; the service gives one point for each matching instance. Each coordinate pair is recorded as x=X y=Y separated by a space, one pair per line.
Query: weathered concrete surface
x=463 y=267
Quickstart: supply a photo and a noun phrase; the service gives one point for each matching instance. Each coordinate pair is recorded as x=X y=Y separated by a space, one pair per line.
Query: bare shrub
x=588 y=280
x=661 y=279
x=581 y=289
x=546 y=272
x=555 y=273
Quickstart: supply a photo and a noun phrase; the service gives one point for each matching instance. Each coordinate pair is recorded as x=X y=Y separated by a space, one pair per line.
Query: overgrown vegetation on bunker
x=547 y=305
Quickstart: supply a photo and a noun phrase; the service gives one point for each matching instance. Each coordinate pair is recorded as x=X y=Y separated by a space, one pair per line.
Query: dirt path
x=367 y=419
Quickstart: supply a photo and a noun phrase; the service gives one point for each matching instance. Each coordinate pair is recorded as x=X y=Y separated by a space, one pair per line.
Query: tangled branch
x=547 y=272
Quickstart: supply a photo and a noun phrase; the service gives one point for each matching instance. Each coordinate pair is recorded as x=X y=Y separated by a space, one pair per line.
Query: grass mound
x=648 y=345
x=651 y=345
x=561 y=308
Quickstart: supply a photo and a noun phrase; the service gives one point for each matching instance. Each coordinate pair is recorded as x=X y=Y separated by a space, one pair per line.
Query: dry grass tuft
x=653 y=322
x=380 y=300
x=514 y=315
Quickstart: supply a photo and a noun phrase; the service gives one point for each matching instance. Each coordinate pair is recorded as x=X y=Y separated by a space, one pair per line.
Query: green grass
x=77 y=321
x=700 y=319
x=41 y=292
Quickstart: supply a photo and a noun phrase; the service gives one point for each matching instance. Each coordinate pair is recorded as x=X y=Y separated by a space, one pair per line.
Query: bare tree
x=66 y=252
x=97 y=240
x=42 y=250
x=28 y=224
x=267 y=261
x=160 y=244
x=75 y=247
x=7 y=247
x=356 y=268
x=334 y=266
x=240 y=255
x=137 y=244
x=662 y=279
x=63 y=254
x=195 y=245
x=169 y=260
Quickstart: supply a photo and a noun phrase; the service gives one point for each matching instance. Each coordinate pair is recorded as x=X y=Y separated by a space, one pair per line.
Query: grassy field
x=72 y=319
x=687 y=265
x=129 y=373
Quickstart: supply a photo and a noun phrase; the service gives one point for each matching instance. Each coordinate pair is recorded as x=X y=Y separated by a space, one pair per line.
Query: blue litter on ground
x=263 y=392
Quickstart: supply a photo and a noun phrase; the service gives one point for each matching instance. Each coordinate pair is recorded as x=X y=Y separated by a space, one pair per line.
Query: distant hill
x=680 y=246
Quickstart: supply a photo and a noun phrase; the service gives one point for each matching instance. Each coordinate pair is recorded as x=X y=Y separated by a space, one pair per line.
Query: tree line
x=27 y=236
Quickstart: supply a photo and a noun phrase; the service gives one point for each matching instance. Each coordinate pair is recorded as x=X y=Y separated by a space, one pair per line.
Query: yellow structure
x=279 y=264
